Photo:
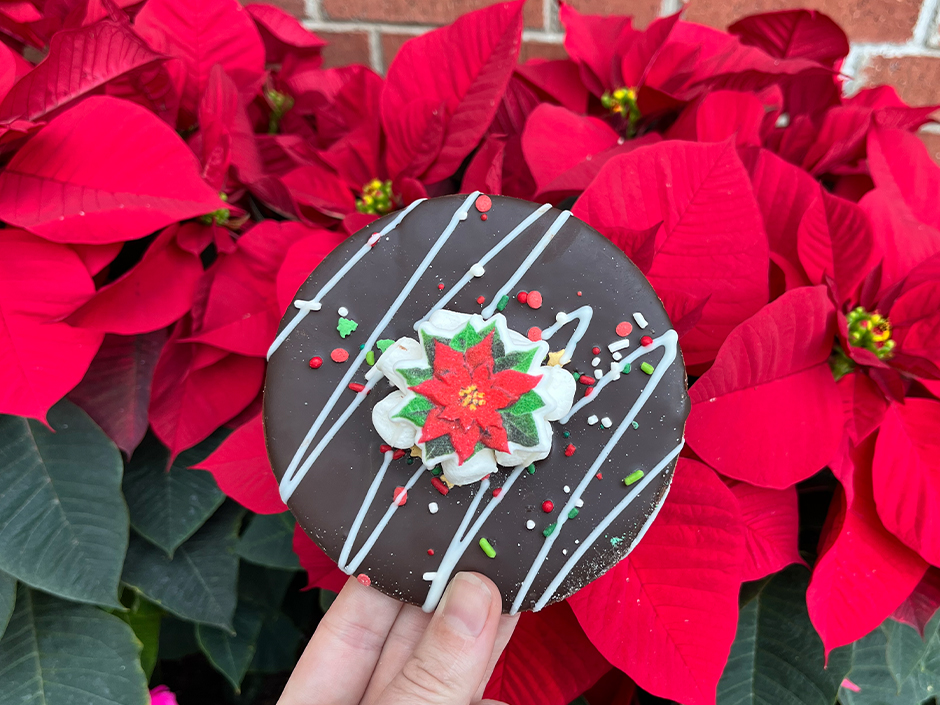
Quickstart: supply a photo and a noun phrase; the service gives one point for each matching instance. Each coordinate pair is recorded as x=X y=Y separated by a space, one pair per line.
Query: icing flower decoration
x=471 y=394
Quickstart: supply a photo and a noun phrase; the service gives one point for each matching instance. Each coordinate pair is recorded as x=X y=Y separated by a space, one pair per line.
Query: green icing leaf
x=437 y=447
x=518 y=361
x=466 y=338
x=416 y=411
x=416 y=375
x=520 y=429
x=345 y=326
x=384 y=344
x=527 y=403
x=429 y=348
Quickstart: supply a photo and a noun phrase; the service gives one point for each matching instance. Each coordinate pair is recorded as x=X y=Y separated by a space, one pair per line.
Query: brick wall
x=893 y=41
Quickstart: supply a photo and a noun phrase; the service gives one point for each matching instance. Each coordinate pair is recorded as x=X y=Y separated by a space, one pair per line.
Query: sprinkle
x=579 y=293
x=430 y=551
x=410 y=461
x=362 y=346
x=626 y=368
x=595 y=350
x=534 y=334
x=592 y=419
x=619 y=345
x=436 y=471
x=309 y=305
x=647 y=368
x=640 y=320
x=364 y=579
x=315 y=363
x=487 y=548
x=579 y=503
x=606 y=422
x=617 y=356
x=483 y=217
x=481 y=299
x=374 y=239
x=549 y=530
x=566 y=434
x=548 y=506
x=635 y=424
x=439 y=486
x=573 y=513
x=483 y=203
x=531 y=469
x=384 y=448
x=588 y=391
x=370 y=357
x=598 y=373
x=566 y=489
x=585 y=379
x=570 y=449
x=646 y=341
x=615 y=371
x=530 y=525
x=346 y=326
x=599 y=476
x=432 y=507
x=596 y=361
x=522 y=297
x=623 y=329
x=576 y=375
x=616 y=540
x=534 y=299
x=477 y=270
x=356 y=387
x=564 y=551
x=398 y=454
x=633 y=477
x=441 y=286
x=561 y=318
x=502 y=303
x=384 y=344
x=497 y=492
x=342 y=311
x=400 y=496
x=339 y=355
x=429 y=576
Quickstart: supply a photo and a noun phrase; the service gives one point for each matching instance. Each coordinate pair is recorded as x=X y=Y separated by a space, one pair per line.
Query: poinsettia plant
x=172 y=170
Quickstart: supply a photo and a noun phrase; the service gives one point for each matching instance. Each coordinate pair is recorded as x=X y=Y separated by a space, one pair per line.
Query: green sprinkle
x=346 y=326
x=531 y=469
x=635 y=424
x=384 y=344
x=616 y=540
x=436 y=471
x=566 y=434
x=370 y=357
x=549 y=530
x=647 y=368
x=502 y=303
x=410 y=461
x=633 y=477
x=576 y=375
x=573 y=513
x=626 y=368
x=487 y=548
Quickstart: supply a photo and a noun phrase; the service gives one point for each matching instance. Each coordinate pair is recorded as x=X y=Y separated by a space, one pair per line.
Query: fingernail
x=466 y=604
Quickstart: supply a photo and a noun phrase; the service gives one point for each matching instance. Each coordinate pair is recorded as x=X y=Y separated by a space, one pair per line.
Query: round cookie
x=377 y=389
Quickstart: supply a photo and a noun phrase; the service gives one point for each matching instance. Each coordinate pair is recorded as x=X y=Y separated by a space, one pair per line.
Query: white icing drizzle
x=461 y=541
x=366 y=503
x=527 y=262
x=583 y=316
x=294 y=475
x=602 y=526
x=669 y=343
x=314 y=304
x=667 y=340
x=479 y=266
x=380 y=527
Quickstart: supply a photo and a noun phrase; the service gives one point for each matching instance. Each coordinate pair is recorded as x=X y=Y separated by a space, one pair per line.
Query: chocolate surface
x=579 y=267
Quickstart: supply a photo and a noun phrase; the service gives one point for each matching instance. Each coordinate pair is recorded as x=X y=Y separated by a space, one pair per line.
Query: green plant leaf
x=518 y=361
x=416 y=410
x=268 y=541
x=526 y=404
x=144 y=618
x=416 y=375
x=199 y=582
x=168 y=505
x=63 y=521
x=62 y=653
x=520 y=429
x=177 y=638
x=277 y=645
x=7 y=600
x=777 y=656
x=907 y=654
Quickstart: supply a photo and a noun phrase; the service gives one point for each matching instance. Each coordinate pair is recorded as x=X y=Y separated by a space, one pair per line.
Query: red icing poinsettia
x=467 y=396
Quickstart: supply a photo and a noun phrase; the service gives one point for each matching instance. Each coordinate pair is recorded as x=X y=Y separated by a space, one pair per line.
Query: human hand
x=371 y=649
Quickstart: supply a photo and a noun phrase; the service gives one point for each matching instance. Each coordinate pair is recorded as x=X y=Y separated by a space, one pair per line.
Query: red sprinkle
x=579 y=293
x=483 y=217
x=599 y=476
x=535 y=334
x=481 y=299
x=623 y=329
x=534 y=299
x=400 y=496
x=547 y=506
x=339 y=355
x=596 y=350
x=646 y=341
x=315 y=363
x=497 y=492
x=399 y=454
x=439 y=485
x=374 y=242
x=522 y=297
x=364 y=579
x=483 y=203
x=569 y=451
x=385 y=448
x=430 y=551
x=356 y=387
x=588 y=391
x=584 y=379
x=441 y=287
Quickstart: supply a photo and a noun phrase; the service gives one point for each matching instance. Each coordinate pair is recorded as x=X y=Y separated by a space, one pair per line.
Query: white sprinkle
x=374 y=239
x=617 y=356
x=576 y=542
x=595 y=362
x=606 y=422
x=309 y=305
x=640 y=321
x=566 y=489
x=561 y=317
x=530 y=525
x=615 y=371
x=619 y=345
x=592 y=419
x=564 y=551
x=579 y=503
x=429 y=576
x=477 y=270
x=432 y=507
x=463 y=216
x=598 y=373
x=342 y=311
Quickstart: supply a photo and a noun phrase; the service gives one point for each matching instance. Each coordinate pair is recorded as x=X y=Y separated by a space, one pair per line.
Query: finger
x=407 y=631
x=451 y=659
x=507 y=624
x=337 y=664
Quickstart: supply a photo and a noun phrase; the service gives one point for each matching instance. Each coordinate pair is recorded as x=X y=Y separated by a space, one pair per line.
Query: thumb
x=451 y=659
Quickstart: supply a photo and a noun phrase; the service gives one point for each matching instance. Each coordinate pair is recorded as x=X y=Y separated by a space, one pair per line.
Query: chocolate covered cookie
x=475 y=383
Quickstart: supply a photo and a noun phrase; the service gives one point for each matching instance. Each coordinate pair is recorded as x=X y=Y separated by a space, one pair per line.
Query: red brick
x=345 y=48
x=541 y=50
x=932 y=140
x=434 y=12
x=642 y=11
x=294 y=7
x=862 y=20
x=391 y=43
x=916 y=78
